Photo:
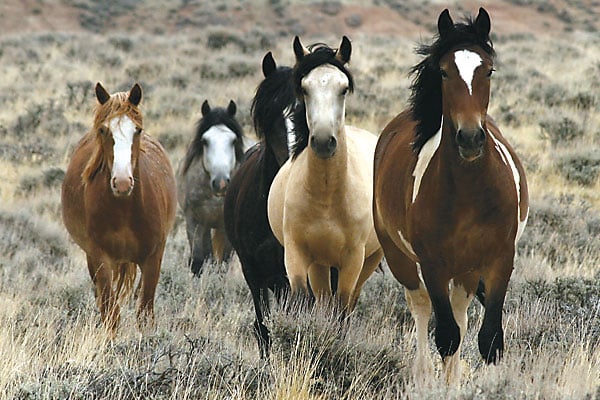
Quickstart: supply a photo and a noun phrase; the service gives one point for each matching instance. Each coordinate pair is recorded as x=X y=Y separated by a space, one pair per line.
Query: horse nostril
x=480 y=136
x=332 y=142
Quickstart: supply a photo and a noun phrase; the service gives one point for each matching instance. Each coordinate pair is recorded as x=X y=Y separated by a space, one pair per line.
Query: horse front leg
x=101 y=272
x=200 y=243
x=491 y=334
x=447 y=331
x=349 y=271
x=296 y=265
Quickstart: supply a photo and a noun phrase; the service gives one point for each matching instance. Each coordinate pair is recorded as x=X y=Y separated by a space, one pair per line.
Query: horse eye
x=103 y=130
x=443 y=73
x=344 y=91
x=303 y=91
x=490 y=72
x=138 y=131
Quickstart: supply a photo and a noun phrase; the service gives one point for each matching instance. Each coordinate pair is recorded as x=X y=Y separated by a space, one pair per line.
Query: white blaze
x=219 y=150
x=467 y=61
x=122 y=129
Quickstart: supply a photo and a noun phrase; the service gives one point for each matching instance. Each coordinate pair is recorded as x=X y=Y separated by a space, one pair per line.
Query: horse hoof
x=447 y=339
x=491 y=346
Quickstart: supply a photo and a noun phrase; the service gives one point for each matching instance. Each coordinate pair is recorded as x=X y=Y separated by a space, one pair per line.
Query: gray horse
x=210 y=161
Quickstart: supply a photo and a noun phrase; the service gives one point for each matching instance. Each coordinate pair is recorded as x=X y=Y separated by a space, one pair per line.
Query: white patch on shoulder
x=407 y=245
x=467 y=61
x=425 y=156
x=509 y=161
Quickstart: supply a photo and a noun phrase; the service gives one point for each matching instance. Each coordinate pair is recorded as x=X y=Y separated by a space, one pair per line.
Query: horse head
x=219 y=143
x=118 y=127
x=466 y=70
x=322 y=82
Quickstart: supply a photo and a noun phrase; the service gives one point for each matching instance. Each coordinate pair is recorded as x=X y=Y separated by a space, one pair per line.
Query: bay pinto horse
x=211 y=160
x=119 y=203
x=450 y=195
x=319 y=205
x=245 y=211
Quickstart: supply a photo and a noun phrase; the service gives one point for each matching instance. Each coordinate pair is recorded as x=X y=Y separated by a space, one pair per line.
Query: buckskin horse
x=119 y=203
x=450 y=195
x=319 y=204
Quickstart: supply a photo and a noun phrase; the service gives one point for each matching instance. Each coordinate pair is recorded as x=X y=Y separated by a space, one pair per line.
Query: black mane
x=426 y=97
x=274 y=98
x=320 y=54
x=216 y=116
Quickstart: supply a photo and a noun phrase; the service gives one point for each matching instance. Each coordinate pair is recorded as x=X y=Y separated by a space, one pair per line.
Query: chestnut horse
x=319 y=205
x=450 y=195
x=245 y=210
x=118 y=204
x=211 y=160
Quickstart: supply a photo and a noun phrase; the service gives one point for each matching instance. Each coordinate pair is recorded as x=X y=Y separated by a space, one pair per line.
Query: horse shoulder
x=276 y=200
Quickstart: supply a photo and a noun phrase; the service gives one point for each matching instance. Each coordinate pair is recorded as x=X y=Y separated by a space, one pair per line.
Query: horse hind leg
x=221 y=247
x=149 y=280
x=420 y=308
x=461 y=294
x=260 y=297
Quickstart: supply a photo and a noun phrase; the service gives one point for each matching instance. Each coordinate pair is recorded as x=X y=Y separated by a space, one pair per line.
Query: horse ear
x=345 y=50
x=135 y=94
x=231 y=108
x=299 y=50
x=101 y=94
x=483 y=23
x=268 y=64
x=445 y=23
x=205 y=108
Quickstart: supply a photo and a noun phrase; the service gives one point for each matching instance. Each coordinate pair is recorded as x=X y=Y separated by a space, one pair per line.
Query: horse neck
x=325 y=177
x=277 y=143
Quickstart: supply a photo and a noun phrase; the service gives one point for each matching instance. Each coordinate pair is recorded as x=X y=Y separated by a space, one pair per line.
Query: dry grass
x=51 y=345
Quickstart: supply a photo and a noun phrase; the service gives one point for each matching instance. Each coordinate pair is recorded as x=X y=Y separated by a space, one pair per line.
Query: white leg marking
x=122 y=129
x=467 y=61
x=425 y=156
x=460 y=301
x=508 y=160
x=420 y=308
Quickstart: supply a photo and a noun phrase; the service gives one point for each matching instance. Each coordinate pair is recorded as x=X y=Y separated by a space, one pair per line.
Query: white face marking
x=510 y=162
x=425 y=156
x=219 y=151
x=467 y=61
x=325 y=107
x=122 y=129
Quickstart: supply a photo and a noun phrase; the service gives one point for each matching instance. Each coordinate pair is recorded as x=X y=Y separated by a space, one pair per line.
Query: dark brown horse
x=245 y=210
x=450 y=195
x=118 y=204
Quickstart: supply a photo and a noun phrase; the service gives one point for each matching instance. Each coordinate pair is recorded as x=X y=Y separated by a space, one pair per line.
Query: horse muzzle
x=470 y=143
x=122 y=187
x=324 y=148
x=219 y=186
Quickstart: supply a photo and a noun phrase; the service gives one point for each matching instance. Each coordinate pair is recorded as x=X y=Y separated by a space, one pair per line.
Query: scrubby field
x=545 y=96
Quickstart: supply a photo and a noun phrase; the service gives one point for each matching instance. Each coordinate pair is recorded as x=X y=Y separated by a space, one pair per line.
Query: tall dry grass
x=52 y=346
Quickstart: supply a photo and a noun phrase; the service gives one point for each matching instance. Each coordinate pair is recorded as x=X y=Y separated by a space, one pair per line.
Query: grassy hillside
x=52 y=52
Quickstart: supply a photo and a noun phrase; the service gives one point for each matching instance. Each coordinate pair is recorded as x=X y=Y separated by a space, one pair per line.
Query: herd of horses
x=313 y=207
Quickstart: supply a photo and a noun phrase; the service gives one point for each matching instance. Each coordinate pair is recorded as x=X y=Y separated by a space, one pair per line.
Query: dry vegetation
x=545 y=97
